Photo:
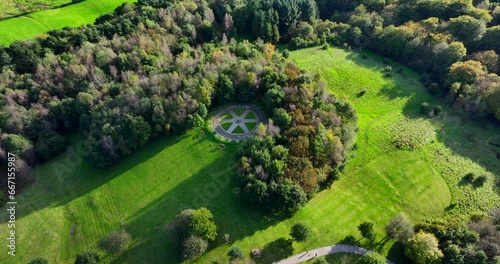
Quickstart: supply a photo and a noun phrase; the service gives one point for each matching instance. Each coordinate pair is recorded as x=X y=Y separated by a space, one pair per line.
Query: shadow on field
x=69 y=176
x=475 y=138
x=278 y=249
x=401 y=84
x=42 y=9
x=396 y=254
x=342 y=258
x=212 y=187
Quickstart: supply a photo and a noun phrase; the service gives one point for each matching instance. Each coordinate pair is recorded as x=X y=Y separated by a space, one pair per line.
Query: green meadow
x=9 y=8
x=71 y=206
x=34 y=24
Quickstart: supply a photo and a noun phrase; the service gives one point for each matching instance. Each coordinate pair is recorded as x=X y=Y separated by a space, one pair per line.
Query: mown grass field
x=143 y=192
x=34 y=24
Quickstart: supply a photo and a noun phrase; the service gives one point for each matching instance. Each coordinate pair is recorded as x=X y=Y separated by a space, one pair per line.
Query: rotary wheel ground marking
x=237 y=122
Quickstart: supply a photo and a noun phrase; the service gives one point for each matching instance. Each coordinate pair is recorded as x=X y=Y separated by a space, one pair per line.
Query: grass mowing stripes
x=10 y=8
x=143 y=192
x=34 y=24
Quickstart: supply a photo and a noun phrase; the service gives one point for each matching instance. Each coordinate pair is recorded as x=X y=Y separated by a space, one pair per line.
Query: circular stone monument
x=237 y=122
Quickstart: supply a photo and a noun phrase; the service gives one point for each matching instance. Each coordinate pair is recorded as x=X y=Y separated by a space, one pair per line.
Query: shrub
x=50 y=144
x=16 y=144
x=367 y=231
x=193 y=247
x=235 y=253
x=361 y=93
x=320 y=261
x=372 y=258
x=282 y=118
x=387 y=71
x=438 y=109
x=400 y=228
x=201 y=223
x=87 y=257
x=300 y=232
x=423 y=249
x=286 y=53
x=195 y=121
x=117 y=241
x=425 y=108
x=38 y=261
x=194 y=229
x=453 y=254
x=413 y=135
x=433 y=88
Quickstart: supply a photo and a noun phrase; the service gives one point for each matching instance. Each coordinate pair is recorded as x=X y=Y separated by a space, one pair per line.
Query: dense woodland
x=158 y=67
x=153 y=69
x=461 y=239
x=304 y=145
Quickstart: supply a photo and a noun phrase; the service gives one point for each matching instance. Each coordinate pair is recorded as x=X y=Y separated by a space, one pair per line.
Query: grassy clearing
x=10 y=8
x=141 y=193
x=382 y=180
x=413 y=134
x=145 y=191
x=34 y=24
x=461 y=145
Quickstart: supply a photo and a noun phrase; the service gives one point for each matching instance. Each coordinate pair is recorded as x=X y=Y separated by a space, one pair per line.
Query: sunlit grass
x=34 y=24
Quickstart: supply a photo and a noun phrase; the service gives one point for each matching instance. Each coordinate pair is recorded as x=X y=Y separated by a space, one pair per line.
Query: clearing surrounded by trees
x=73 y=15
x=380 y=181
x=250 y=131
x=237 y=122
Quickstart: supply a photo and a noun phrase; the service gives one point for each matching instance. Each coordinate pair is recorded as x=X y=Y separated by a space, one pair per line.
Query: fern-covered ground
x=33 y=24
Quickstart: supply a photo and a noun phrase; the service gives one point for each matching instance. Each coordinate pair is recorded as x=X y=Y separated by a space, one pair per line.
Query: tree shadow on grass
x=400 y=82
x=342 y=258
x=379 y=245
x=396 y=254
x=278 y=249
x=69 y=176
x=212 y=187
x=476 y=138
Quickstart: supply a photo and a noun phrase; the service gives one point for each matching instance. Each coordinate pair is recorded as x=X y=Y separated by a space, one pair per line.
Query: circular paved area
x=237 y=122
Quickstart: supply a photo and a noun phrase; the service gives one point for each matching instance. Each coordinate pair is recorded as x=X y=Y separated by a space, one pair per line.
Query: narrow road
x=314 y=253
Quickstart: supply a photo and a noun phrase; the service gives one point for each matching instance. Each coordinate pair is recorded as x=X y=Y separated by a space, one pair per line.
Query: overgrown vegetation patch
x=412 y=134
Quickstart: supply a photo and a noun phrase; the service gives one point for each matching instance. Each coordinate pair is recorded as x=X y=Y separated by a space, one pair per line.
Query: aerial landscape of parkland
x=250 y=131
